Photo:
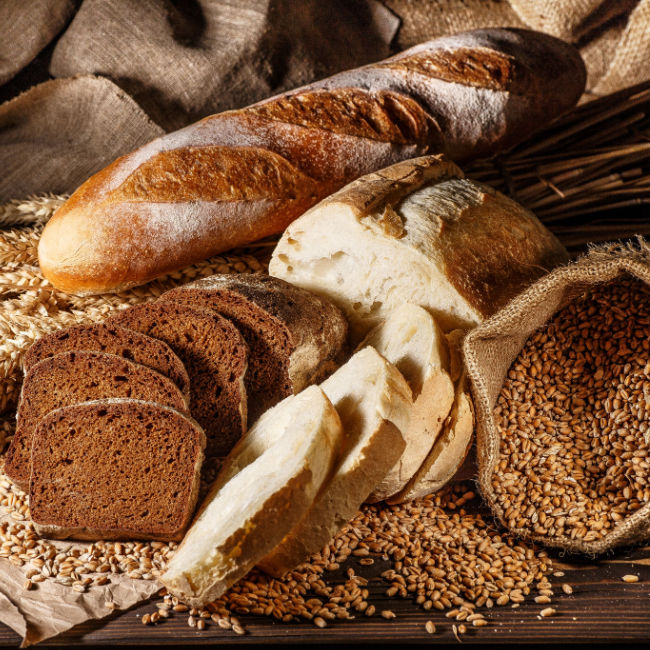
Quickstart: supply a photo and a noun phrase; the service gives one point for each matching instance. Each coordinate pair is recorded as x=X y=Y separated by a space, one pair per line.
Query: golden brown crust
x=528 y=251
x=386 y=116
x=479 y=67
x=215 y=174
x=387 y=187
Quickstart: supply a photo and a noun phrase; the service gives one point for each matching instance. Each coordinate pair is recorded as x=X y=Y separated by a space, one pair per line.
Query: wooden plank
x=602 y=608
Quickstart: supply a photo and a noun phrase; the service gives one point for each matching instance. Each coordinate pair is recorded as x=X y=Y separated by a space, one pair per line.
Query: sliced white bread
x=373 y=401
x=267 y=484
x=452 y=446
x=412 y=341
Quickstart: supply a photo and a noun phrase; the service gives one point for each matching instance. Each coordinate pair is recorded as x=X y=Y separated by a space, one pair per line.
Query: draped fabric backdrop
x=116 y=73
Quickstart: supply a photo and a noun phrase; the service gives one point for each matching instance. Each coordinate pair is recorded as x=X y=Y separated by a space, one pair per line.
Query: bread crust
x=242 y=175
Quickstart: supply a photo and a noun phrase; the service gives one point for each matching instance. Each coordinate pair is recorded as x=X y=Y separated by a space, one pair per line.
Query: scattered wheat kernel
x=191 y=621
x=567 y=589
x=146 y=619
x=549 y=611
x=238 y=629
x=430 y=627
x=200 y=624
x=479 y=622
x=320 y=622
x=387 y=614
x=630 y=578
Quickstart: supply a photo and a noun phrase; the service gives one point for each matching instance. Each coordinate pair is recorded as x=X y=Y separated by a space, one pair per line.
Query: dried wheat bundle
x=587 y=177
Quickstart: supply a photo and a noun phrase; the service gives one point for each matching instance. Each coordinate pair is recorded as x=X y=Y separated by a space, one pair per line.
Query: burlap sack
x=491 y=348
x=184 y=60
x=27 y=27
x=55 y=135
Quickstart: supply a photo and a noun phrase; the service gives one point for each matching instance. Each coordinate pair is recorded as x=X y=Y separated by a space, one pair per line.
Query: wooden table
x=602 y=608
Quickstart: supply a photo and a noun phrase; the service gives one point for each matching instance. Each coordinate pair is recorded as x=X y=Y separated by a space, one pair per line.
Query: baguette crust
x=242 y=175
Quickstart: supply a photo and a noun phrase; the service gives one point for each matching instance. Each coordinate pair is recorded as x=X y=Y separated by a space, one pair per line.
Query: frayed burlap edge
x=504 y=333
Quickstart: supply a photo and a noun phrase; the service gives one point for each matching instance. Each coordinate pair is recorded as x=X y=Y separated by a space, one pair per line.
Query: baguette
x=245 y=174
x=417 y=232
x=265 y=487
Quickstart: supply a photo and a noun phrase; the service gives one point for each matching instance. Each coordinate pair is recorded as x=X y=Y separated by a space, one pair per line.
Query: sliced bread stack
x=182 y=354
x=267 y=484
x=215 y=356
x=294 y=337
x=104 y=396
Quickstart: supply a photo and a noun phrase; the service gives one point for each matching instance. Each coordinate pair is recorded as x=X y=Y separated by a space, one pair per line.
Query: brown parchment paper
x=50 y=608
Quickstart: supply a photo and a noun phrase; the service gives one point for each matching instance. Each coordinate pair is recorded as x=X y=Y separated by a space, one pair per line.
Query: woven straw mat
x=31 y=307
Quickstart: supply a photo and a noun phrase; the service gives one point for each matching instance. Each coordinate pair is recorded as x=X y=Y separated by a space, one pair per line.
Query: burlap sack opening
x=491 y=348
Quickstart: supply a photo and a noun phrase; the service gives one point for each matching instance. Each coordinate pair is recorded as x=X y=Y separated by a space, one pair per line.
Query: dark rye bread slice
x=152 y=456
x=215 y=356
x=113 y=340
x=73 y=377
x=294 y=336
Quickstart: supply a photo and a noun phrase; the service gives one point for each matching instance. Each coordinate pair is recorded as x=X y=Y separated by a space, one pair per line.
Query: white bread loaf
x=416 y=232
x=267 y=484
x=412 y=341
x=373 y=401
x=453 y=444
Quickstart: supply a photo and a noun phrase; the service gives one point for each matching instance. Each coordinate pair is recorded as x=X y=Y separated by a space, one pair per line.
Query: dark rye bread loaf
x=73 y=377
x=215 y=356
x=153 y=455
x=293 y=335
x=113 y=340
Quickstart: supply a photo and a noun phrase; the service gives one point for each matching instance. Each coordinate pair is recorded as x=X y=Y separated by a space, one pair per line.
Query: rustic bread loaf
x=293 y=336
x=115 y=469
x=215 y=356
x=72 y=377
x=453 y=444
x=117 y=340
x=245 y=174
x=416 y=232
x=266 y=485
x=373 y=401
x=412 y=341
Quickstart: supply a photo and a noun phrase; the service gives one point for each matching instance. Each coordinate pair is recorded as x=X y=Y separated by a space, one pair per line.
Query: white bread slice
x=453 y=444
x=416 y=232
x=267 y=484
x=412 y=341
x=373 y=401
